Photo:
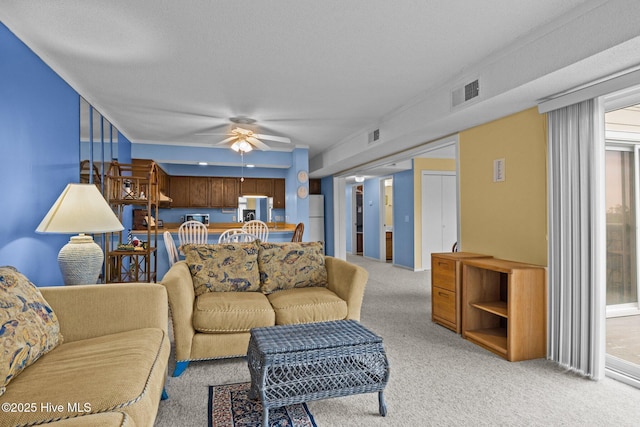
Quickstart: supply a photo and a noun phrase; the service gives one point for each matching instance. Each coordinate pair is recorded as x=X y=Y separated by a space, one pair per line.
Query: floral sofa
x=87 y=355
x=219 y=292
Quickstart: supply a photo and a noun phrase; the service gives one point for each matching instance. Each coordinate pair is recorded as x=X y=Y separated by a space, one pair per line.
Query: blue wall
x=371 y=218
x=403 y=216
x=349 y=218
x=39 y=146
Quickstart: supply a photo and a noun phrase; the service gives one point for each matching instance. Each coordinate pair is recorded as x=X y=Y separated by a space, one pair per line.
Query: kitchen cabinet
x=229 y=192
x=248 y=187
x=256 y=187
x=204 y=192
x=199 y=192
x=264 y=187
x=279 y=194
x=179 y=186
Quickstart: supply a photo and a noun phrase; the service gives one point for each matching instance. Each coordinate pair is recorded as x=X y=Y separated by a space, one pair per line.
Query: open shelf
x=504 y=307
x=495 y=307
x=493 y=339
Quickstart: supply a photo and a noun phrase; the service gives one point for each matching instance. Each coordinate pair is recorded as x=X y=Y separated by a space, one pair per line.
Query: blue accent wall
x=371 y=218
x=327 y=189
x=403 y=219
x=39 y=146
x=348 y=218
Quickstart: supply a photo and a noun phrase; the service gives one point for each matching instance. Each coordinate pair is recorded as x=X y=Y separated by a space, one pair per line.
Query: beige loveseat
x=217 y=324
x=111 y=366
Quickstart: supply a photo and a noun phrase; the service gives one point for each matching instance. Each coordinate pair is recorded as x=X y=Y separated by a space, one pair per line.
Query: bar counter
x=219 y=227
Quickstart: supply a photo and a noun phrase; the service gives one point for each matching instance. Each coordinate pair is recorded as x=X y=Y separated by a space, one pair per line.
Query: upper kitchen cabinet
x=179 y=186
x=279 y=193
x=256 y=187
x=223 y=192
x=264 y=186
x=199 y=192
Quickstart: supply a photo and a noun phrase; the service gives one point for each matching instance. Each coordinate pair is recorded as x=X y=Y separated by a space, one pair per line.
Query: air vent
x=465 y=93
x=374 y=136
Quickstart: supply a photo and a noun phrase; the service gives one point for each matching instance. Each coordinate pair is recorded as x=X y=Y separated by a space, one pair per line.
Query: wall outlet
x=233 y=218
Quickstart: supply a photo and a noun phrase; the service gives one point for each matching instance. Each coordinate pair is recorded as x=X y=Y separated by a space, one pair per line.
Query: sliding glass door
x=622 y=216
x=622 y=242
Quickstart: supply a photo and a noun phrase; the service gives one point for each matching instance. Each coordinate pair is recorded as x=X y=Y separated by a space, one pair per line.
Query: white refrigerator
x=316 y=219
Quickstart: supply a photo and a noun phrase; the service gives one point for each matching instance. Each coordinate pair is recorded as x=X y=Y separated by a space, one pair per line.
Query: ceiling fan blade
x=258 y=144
x=273 y=138
x=224 y=141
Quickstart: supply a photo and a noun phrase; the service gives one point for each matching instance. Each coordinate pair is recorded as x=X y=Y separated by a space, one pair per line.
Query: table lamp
x=80 y=209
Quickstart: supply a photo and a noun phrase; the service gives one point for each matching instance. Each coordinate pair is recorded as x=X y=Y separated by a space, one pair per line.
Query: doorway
x=359 y=239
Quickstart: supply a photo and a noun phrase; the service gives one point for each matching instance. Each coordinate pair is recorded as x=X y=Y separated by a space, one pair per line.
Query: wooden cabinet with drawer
x=446 y=281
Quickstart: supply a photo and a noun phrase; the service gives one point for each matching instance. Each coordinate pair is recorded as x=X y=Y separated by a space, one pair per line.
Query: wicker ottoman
x=298 y=363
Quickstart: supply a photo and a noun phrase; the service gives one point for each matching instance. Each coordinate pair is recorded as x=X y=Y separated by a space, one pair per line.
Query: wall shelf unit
x=135 y=186
x=504 y=307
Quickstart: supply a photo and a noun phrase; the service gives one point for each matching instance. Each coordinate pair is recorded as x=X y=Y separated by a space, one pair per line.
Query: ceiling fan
x=245 y=140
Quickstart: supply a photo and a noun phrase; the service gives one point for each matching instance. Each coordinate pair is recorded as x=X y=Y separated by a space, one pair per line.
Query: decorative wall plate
x=303 y=191
x=303 y=176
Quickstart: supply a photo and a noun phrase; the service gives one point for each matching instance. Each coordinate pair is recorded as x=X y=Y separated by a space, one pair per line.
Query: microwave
x=203 y=218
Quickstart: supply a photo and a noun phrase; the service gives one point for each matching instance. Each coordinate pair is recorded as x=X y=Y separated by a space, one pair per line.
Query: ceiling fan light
x=245 y=147
x=235 y=147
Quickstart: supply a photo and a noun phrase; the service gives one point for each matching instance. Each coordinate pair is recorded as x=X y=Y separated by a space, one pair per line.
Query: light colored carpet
x=437 y=378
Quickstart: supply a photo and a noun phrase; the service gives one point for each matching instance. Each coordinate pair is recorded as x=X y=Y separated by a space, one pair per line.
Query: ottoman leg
x=265 y=417
x=382 y=405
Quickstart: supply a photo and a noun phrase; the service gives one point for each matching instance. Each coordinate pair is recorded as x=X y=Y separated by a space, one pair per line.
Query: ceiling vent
x=374 y=136
x=465 y=93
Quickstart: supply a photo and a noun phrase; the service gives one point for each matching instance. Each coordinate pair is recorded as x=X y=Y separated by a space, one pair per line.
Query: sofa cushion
x=28 y=326
x=291 y=265
x=216 y=312
x=112 y=372
x=305 y=305
x=226 y=267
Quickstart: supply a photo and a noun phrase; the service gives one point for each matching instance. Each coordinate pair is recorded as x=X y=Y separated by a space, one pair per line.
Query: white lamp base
x=80 y=261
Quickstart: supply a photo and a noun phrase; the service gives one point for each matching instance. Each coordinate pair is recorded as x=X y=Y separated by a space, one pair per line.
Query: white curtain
x=576 y=336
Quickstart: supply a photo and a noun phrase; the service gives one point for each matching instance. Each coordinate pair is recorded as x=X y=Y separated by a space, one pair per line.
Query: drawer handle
x=442 y=294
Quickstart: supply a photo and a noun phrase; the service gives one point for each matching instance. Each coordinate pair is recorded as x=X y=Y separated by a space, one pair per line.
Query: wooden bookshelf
x=504 y=307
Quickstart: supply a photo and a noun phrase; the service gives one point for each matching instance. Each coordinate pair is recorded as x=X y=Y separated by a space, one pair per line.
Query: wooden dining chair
x=298 y=232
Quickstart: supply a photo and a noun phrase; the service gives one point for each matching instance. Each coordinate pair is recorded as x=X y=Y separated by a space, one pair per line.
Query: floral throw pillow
x=28 y=326
x=291 y=265
x=225 y=267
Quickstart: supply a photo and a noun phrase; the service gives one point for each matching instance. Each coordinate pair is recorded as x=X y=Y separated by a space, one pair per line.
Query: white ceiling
x=323 y=73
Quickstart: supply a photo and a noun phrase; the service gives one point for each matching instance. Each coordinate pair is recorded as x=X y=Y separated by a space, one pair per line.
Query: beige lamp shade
x=80 y=209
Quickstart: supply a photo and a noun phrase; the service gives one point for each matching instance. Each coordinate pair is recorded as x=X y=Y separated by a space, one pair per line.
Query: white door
x=439 y=214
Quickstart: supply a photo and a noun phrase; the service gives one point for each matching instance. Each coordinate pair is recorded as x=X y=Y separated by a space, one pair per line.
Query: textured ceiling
x=315 y=71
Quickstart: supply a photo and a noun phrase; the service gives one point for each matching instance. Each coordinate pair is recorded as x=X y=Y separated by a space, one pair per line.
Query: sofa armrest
x=179 y=285
x=348 y=281
x=87 y=311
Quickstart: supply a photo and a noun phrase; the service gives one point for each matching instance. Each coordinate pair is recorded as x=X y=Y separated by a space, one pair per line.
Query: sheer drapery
x=577 y=238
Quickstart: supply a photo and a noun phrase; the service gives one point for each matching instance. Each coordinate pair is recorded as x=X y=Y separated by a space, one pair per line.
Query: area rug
x=230 y=406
